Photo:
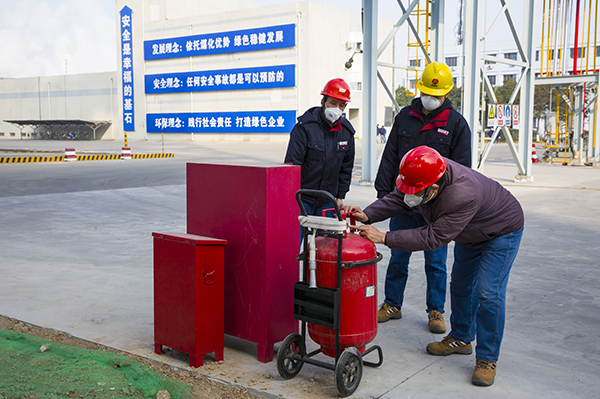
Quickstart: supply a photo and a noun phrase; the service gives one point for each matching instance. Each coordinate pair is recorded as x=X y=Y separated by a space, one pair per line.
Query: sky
x=44 y=38
x=54 y=37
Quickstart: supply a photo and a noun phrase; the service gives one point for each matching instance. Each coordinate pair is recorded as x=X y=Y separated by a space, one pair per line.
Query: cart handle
x=317 y=193
x=348 y=265
x=344 y=215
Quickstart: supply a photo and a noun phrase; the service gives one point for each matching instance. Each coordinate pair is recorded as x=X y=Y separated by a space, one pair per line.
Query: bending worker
x=486 y=223
x=322 y=142
x=429 y=120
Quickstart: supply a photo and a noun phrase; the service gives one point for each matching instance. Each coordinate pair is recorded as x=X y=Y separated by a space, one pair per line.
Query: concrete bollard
x=70 y=155
x=126 y=153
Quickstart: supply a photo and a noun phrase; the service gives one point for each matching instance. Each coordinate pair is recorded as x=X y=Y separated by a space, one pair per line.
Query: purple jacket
x=469 y=208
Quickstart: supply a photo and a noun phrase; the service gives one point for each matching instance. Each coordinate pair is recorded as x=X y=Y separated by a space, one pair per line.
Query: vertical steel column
x=527 y=93
x=369 y=99
x=473 y=20
x=437 y=30
x=595 y=128
x=578 y=121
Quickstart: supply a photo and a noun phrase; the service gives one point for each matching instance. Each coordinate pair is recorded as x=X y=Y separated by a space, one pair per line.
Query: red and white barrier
x=534 y=157
x=70 y=155
x=126 y=153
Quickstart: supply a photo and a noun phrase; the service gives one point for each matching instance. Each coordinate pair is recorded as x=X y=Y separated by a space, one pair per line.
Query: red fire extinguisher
x=358 y=312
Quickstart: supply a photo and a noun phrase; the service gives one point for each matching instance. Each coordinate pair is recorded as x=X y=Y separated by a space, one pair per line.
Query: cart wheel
x=348 y=371
x=287 y=364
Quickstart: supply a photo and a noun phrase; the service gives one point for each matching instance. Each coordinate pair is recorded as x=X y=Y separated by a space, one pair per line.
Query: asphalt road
x=64 y=177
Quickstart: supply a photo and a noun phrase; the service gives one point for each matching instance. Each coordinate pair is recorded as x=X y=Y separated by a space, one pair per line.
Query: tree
x=504 y=92
x=402 y=98
x=541 y=100
x=456 y=97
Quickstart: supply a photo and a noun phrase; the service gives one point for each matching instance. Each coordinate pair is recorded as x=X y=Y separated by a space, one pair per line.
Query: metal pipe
x=548 y=44
x=587 y=54
x=596 y=38
x=542 y=47
x=557 y=117
x=595 y=120
x=559 y=16
x=565 y=29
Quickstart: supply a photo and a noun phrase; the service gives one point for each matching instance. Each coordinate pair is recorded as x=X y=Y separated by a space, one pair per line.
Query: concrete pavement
x=81 y=262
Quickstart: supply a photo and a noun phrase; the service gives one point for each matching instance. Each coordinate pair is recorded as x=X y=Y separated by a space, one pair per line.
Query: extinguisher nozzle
x=313 y=279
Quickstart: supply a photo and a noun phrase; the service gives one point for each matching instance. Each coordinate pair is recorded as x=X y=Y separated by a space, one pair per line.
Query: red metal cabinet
x=189 y=295
x=254 y=209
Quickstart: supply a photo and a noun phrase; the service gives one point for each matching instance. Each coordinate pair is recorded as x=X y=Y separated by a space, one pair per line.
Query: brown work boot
x=449 y=346
x=436 y=322
x=387 y=312
x=484 y=374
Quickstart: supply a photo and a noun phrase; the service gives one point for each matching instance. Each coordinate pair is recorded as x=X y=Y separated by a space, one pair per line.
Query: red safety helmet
x=337 y=88
x=420 y=168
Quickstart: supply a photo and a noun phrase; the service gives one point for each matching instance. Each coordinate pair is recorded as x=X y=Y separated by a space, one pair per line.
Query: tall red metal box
x=254 y=209
x=188 y=295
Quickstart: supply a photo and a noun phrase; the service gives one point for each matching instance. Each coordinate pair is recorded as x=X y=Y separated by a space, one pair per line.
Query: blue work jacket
x=444 y=130
x=325 y=153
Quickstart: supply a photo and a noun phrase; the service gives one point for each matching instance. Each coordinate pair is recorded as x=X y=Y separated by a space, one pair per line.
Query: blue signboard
x=127 y=64
x=266 y=38
x=222 y=122
x=223 y=79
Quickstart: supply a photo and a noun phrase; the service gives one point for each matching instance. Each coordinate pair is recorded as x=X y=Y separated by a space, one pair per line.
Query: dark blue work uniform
x=445 y=130
x=325 y=153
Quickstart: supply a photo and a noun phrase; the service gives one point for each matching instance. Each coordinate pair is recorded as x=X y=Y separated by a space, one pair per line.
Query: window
x=580 y=52
x=511 y=76
x=552 y=53
x=454 y=81
x=412 y=84
x=452 y=61
x=510 y=56
x=414 y=63
x=491 y=62
x=492 y=79
x=537 y=55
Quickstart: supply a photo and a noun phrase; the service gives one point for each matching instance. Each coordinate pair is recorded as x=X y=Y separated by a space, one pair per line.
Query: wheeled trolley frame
x=321 y=306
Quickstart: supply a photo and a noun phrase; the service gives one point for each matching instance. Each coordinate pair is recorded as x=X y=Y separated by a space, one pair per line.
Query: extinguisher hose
x=348 y=265
x=312 y=261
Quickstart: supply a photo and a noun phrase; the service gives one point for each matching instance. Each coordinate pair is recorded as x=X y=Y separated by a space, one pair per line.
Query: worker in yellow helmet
x=429 y=120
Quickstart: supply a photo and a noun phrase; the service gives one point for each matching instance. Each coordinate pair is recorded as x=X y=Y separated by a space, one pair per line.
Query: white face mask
x=431 y=103
x=332 y=114
x=412 y=200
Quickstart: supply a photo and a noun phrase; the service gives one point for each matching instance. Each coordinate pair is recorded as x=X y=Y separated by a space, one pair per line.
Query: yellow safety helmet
x=436 y=80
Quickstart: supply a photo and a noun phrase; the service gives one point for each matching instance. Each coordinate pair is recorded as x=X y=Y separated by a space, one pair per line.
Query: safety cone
x=534 y=157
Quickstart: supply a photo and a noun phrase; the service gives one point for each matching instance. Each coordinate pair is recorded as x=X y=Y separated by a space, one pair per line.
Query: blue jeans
x=478 y=292
x=397 y=271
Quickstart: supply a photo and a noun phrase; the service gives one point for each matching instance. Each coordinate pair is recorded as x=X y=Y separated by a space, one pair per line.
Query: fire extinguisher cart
x=328 y=304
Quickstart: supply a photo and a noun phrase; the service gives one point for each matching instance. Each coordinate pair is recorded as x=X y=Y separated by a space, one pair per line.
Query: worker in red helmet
x=322 y=142
x=484 y=220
